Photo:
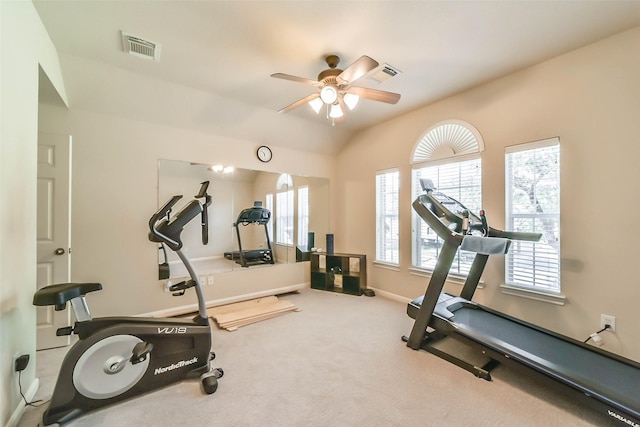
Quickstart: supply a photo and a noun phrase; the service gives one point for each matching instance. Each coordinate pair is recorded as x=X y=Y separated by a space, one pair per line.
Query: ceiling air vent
x=141 y=48
x=382 y=73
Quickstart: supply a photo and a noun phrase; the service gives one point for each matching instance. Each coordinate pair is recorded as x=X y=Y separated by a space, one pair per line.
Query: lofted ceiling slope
x=217 y=56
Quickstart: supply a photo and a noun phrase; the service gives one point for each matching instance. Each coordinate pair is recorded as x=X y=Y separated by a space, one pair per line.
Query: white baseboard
x=391 y=296
x=19 y=411
x=191 y=308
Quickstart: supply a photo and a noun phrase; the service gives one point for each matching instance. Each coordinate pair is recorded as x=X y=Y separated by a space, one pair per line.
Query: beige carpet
x=339 y=361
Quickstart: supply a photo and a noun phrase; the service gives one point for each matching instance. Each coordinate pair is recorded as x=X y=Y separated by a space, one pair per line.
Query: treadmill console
x=254 y=215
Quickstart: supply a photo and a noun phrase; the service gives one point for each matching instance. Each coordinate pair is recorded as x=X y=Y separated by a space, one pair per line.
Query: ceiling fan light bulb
x=216 y=168
x=329 y=94
x=316 y=104
x=351 y=100
x=336 y=111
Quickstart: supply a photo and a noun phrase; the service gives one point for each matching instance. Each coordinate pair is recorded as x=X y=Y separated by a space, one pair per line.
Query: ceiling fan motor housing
x=329 y=75
x=332 y=62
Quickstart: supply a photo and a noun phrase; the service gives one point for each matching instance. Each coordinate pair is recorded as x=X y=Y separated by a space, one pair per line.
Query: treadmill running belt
x=607 y=377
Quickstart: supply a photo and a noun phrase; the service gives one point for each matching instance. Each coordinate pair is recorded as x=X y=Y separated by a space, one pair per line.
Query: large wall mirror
x=299 y=208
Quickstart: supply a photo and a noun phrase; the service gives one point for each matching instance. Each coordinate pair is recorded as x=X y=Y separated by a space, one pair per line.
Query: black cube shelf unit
x=343 y=273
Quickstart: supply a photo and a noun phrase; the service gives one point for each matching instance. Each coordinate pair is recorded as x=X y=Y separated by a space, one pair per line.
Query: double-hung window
x=461 y=180
x=533 y=205
x=303 y=216
x=284 y=210
x=387 y=217
x=284 y=217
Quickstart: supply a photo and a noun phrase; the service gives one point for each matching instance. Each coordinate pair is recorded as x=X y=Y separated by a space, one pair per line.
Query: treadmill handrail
x=420 y=205
x=428 y=208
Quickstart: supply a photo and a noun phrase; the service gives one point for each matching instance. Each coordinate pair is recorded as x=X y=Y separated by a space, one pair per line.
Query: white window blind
x=303 y=216
x=533 y=205
x=387 y=221
x=461 y=180
x=284 y=217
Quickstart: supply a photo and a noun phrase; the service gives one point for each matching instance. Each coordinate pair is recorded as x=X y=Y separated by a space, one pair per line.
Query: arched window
x=448 y=153
x=446 y=140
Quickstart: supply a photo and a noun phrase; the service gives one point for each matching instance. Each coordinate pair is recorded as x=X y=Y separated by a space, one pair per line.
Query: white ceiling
x=217 y=56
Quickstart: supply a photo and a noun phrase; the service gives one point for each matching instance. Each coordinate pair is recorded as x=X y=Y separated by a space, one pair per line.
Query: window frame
x=382 y=243
x=446 y=142
x=529 y=288
x=303 y=215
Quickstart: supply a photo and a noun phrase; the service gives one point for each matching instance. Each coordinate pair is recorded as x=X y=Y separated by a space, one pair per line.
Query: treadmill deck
x=594 y=372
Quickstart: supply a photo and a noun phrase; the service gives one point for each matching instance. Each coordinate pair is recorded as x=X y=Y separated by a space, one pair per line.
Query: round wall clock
x=264 y=153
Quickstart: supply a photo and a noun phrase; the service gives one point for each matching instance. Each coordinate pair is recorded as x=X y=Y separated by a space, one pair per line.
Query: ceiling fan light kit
x=336 y=111
x=351 y=100
x=329 y=94
x=336 y=90
x=316 y=104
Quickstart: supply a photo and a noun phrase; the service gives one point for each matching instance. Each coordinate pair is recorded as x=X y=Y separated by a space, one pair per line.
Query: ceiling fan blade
x=353 y=72
x=295 y=78
x=375 y=95
x=299 y=102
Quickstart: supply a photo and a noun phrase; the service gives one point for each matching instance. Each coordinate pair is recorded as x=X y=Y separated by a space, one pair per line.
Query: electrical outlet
x=210 y=280
x=606 y=319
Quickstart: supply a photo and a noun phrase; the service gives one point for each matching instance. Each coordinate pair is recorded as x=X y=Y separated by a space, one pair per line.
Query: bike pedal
x=68 y=330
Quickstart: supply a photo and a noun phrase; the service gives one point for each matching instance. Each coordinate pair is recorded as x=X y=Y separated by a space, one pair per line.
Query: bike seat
x=59 y=294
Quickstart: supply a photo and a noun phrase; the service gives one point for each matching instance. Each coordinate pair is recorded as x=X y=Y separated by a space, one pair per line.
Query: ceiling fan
x=336 y=91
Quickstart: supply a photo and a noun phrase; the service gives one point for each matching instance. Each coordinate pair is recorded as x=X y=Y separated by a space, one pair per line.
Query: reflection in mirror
x=298 y=207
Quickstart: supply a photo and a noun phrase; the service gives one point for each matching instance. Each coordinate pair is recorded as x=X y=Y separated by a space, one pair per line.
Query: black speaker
x=329 y=243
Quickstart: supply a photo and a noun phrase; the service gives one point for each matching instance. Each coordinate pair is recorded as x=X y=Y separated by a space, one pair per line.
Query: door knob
x=59 y=251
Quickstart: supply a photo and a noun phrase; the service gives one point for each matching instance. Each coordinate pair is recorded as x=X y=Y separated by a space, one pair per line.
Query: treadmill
x=248 y=257
x=604 y=381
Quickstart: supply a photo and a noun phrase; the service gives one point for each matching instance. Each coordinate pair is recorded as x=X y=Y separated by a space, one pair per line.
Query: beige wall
x=115 y=192
x=590 y=98
x=25 y=46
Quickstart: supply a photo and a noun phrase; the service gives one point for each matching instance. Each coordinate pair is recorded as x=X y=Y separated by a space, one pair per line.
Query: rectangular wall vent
x=382 y=73
x=141 y=48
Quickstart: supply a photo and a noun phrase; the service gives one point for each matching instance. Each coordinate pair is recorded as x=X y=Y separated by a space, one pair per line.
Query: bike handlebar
x=163 y=212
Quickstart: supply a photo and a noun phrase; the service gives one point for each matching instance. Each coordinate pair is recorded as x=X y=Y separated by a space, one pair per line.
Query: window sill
x=386 y=265
x=451 y=278
x=549 y=297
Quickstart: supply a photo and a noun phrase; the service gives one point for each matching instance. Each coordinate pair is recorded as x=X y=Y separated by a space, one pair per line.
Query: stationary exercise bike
x=117 y=358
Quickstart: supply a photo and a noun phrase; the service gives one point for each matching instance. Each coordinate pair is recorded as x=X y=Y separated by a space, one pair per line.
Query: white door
x=54 y=231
